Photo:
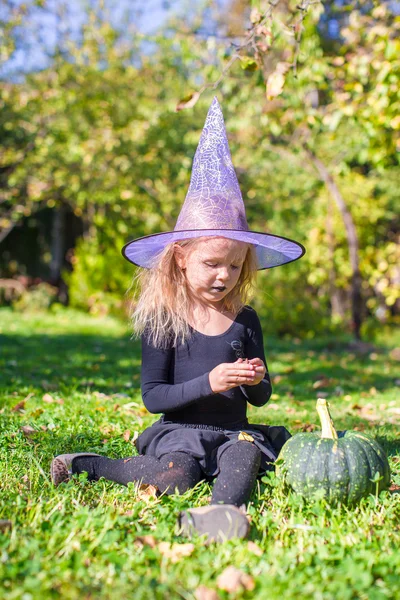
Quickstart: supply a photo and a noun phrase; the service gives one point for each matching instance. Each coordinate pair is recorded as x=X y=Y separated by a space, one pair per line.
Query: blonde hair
x=163 y=307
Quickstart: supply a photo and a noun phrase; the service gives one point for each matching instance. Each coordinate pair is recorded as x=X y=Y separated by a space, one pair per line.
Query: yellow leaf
x=245 y=437
x=147 y=493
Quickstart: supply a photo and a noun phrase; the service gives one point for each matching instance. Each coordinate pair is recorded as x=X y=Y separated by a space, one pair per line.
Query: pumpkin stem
x=327 y=428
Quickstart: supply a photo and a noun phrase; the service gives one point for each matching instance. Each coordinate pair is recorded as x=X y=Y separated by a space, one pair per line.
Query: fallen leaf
x=277 y=379
x=360 y=427
x=175 y=551
x=232 y=580
x=28 y=430
x=48 y=398
x=127 y=435
x=367 y=412
x=146 y=540
x=320 y=383
x=146 y=493
x=254 y=548
x=5 y=524
x=19 y=407
x=245 y=437
x=308 y=427
x=273 y=406
x=205 y=593
x=101 y=395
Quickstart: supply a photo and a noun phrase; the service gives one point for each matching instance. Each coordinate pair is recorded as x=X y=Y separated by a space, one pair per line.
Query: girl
x=202 y=350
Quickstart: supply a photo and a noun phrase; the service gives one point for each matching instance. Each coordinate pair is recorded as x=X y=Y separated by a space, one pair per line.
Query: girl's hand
x=229 y=375
x=260 y=370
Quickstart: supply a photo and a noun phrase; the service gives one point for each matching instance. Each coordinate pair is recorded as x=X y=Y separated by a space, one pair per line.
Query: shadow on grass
x=391 y=446
x=110 y=364
x=77 y=361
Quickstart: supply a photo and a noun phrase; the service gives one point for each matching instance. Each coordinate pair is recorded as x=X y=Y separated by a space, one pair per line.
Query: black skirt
x=206 y=443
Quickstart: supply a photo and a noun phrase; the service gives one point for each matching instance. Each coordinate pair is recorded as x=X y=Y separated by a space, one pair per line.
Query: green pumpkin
x=344 y=467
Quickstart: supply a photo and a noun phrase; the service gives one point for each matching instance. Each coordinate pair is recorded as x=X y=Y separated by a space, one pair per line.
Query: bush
x=37 y=298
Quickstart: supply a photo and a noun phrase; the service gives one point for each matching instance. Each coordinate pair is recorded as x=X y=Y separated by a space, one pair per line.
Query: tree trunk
x=58 y=251
x=352 y=240
x=337 y=308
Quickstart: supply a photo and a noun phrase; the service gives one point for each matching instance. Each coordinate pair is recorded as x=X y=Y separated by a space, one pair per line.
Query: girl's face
x=212 y=267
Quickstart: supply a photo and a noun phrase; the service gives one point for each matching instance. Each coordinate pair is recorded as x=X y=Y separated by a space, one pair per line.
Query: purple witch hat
x=214 y=206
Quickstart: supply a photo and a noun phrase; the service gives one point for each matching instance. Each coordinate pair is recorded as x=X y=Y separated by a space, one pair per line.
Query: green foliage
x=38 y=298
x=78 y=381
x=97 y=132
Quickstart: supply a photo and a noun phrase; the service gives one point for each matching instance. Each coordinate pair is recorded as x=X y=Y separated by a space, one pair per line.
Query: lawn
x=70 y=382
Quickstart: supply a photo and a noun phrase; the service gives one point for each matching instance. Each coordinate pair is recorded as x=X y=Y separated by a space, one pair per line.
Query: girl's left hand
x=259 y=368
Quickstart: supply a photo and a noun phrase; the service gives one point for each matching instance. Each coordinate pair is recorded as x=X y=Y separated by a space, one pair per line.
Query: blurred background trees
x=93 y=152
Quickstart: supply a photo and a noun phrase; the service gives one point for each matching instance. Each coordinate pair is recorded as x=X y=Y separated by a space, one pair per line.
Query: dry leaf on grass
x=232 y=580
x=366 y=412
x=321 y=383
x=48 y=398
x=254 y=548
x=205 y=593
x=127 y=435
x=28 y=430
x=175 y=551
x=5 y=524
x=19 y=407
x=146 y=540
x=146 y=493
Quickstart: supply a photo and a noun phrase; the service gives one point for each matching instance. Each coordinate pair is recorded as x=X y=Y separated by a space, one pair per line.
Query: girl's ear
x=180 y=256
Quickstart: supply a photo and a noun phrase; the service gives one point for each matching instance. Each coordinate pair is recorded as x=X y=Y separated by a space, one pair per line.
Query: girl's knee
x=243 y=453
x=181 y=473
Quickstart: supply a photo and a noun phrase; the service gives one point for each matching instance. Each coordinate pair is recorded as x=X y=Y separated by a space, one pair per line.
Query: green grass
x=80 y=540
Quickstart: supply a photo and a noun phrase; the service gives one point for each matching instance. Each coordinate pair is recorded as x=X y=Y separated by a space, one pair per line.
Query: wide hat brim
x=272 y=250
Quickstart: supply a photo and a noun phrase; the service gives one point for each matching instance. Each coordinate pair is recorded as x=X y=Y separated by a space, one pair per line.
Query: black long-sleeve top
x=176 y=381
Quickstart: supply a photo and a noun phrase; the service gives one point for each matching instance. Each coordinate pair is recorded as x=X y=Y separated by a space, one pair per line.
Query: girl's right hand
x=229 y=375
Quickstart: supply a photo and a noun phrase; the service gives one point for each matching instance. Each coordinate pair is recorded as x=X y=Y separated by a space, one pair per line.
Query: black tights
x=239 y=465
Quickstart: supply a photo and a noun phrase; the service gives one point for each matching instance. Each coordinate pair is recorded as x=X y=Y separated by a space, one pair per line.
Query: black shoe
x=219 y=522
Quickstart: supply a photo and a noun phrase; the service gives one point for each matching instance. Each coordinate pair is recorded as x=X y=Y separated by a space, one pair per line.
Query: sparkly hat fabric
x=214 y=206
